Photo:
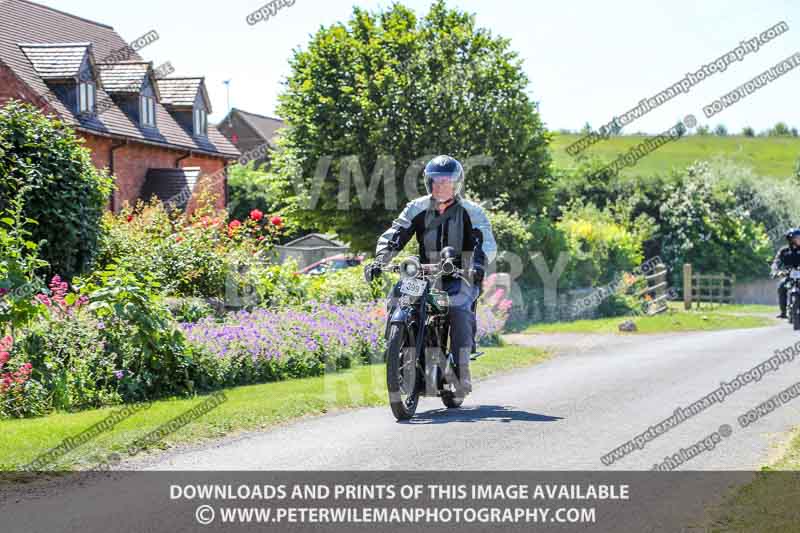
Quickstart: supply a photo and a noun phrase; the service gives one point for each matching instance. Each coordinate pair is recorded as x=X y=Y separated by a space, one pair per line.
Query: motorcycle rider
x=786 y=258
x=445 y=218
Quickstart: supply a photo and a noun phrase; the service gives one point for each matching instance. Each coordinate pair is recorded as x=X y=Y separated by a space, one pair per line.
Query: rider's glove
x=476 y=274
x=372 y=271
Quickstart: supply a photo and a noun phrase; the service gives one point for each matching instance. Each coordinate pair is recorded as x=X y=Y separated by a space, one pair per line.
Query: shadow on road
x=497 y=413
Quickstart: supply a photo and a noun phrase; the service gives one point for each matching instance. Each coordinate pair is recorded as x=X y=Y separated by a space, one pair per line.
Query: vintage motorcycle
x=793 y=297
x=417 y=334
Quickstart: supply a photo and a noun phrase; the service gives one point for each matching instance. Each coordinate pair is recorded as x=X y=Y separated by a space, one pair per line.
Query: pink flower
x=234 y=224
x=256 y=215
x=6 y=343
x=276 y=221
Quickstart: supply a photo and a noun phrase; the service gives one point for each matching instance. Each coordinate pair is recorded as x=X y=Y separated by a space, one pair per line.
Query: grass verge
x=247 y=408
x=768 y=503
x=672 y=321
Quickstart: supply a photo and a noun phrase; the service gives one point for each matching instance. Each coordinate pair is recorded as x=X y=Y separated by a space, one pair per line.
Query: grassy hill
x=767 y=156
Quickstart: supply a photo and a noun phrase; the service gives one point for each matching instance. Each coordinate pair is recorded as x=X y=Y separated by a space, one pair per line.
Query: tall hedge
x=67 y=193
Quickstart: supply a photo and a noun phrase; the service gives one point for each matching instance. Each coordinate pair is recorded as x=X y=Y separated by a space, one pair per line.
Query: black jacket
x=463 y=225
x=787 y=257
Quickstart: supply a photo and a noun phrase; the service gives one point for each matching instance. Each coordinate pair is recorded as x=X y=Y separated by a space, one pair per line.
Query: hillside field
x=767 y=156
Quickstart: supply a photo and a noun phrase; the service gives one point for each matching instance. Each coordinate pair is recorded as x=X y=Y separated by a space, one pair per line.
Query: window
x=148 y=111
x=86 y=97
x=200 y=122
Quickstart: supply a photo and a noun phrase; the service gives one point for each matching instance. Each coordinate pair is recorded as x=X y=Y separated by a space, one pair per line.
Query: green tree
x=721 y=130
x=374 y=98
x=703 y=130
x=747 y=131
x=67 y=194
x=702 y=224
x=780 y=130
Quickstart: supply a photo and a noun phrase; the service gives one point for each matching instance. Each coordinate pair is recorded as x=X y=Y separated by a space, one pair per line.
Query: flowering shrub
x=265 y=344
x=270 y=344
x=194 y=255
x=18 y=397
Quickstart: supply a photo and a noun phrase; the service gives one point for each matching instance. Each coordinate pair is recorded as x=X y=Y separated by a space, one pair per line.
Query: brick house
x=251 y=133
x=150 y=131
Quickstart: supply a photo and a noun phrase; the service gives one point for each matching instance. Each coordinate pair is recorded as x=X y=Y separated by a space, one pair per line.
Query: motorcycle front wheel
x=402 y=377
x=796 y=313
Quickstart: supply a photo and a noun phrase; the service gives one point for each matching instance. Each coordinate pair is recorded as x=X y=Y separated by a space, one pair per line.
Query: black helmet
x=444 y=166
x=792 y=233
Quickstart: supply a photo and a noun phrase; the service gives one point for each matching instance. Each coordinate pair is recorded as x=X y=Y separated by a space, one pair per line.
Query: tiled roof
x=57 y=60
x=179 y=91
x=22 y=21
x=169 y=184
x=123 y=77
x=267 y=127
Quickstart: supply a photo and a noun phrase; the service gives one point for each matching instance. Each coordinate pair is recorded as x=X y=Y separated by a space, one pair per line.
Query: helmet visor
x=444 y=178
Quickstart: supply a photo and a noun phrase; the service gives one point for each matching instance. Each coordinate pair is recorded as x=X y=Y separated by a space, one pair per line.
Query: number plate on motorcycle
x=794 y=274
x=413 y=287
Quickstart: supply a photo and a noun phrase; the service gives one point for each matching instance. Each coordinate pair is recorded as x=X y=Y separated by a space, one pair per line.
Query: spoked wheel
x=796 y=313
x=402 y=377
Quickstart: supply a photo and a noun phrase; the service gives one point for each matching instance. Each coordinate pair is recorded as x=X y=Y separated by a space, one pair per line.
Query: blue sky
x=587 y=60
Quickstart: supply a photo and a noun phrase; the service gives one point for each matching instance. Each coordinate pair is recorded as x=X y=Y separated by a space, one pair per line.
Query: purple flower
x=119 y=374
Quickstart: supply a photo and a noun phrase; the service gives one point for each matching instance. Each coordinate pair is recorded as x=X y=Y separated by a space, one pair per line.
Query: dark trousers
x=782 y=295
x=462 y=317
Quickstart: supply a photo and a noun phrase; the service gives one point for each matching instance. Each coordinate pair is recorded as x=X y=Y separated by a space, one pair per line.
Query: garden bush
x=702 y=223
x=64 y=192
x=19 y=262
x=201 y=255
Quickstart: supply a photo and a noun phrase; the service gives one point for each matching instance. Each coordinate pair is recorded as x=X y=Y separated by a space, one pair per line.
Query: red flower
x=3 y=358
x=256 y=215
x=234 y=224
x=178 y=238
x=260 y=238
x=129 y=218
x=276 y=221
x=3 y=291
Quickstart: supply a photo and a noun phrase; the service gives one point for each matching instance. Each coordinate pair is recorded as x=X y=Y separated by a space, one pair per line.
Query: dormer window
x=200 y=122
x=86 y=97
x=148 y=111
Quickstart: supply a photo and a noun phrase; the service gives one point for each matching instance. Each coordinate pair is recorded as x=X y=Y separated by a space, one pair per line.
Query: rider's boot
x=464 y=383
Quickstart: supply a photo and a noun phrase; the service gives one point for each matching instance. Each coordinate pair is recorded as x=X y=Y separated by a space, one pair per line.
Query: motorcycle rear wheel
x=796 y=314
x=398 y=360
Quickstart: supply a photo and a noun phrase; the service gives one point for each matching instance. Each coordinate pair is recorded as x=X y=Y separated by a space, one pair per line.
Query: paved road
x=560 y=415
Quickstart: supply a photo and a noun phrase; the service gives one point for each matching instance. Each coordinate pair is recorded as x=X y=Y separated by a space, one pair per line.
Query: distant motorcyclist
x=787 y=257
x=441 y=219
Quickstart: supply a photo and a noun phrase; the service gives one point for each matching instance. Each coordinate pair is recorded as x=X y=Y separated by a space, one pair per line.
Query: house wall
x=248 y=138
x=133 y=160
x=11 y=87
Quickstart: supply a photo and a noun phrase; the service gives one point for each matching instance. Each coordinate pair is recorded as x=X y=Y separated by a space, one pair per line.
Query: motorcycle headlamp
x=409 y=268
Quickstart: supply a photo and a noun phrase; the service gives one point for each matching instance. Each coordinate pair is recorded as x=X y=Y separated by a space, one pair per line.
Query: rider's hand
x=476 y=274
x=372 y=271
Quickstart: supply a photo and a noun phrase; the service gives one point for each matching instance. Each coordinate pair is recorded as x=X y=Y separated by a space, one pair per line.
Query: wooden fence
x=707 y=288
x=655 y=294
